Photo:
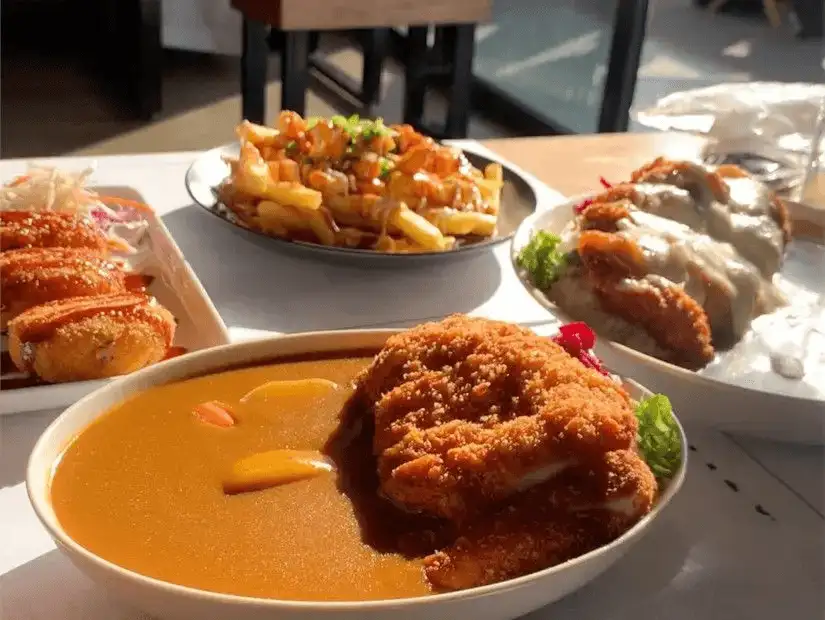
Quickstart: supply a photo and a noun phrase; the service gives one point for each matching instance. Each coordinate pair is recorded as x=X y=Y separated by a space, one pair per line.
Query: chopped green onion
x=386 y=167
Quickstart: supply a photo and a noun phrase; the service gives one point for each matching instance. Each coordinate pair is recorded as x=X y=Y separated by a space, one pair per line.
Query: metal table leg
x=295 y=71
x=253 y=71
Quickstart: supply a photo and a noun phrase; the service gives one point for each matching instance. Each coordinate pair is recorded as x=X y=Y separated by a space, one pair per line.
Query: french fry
x=417 y=228
x=461 y=223
x=322 y=225
x=494 y=172
x=345 y=187
x=258 y=135
x=271 y=215
x=274 y=215
x=350 y=237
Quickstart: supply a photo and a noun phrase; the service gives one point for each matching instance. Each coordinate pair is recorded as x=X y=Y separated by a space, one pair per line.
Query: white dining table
x=744 y=539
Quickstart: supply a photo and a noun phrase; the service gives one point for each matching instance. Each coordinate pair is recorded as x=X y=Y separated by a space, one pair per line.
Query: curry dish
x=142 y=487
x=466 y=452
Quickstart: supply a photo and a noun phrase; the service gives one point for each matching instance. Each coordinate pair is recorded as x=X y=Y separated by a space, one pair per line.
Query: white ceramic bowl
x=502 y=601
x=749 y=400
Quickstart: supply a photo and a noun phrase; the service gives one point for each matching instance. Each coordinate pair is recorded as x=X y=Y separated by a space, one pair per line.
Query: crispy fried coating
x=671 y=316
x=603 y=214
x=34 y=276
x=84 y=338
x=466 y=409
x=49 y=229
x=607 y=255
x=578 y=510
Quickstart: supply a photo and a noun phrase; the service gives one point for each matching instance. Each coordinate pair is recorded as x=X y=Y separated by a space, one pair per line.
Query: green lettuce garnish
x=658 y=437
x=542 y=259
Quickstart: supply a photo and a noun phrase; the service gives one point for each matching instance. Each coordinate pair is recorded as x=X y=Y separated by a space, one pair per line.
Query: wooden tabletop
x=573 y=164
x=343 y=14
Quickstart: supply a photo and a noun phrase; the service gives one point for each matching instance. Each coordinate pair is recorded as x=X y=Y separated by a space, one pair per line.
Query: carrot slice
x=216 y=413
x=125 y=202
x=18 y=180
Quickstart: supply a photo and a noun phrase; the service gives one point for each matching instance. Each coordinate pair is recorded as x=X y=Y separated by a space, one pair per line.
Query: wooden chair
x=299 y=18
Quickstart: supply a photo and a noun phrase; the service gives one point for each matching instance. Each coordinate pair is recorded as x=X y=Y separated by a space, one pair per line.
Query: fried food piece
x=603 y=214
x=84 y=338
x=707 y=184
x=49 y=229
x=606 y=255
x=469 y=411
x=704 y=184
x=34 y=276
x=671 y=316
x=616 y=270
x=578 y=510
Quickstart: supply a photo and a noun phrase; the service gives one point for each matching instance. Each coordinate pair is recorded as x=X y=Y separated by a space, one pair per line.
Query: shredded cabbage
x=44 y=188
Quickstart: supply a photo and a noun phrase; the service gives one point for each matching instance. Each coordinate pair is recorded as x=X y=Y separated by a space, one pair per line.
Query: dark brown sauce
x=384 y=527
x=138 y=282
x=7 y=366
x=175 y=352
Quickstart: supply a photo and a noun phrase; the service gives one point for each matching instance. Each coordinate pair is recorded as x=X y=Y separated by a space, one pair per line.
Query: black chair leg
x=623 y=65
x=253 y=71
x=462 y=46
x=295 y=71
x=376 y=47
x=415 y=76
x=150 y=60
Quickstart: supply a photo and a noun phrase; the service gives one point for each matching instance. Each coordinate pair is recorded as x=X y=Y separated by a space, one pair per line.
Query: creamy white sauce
x=729 y=288
x=784 y=352
x=742 y=218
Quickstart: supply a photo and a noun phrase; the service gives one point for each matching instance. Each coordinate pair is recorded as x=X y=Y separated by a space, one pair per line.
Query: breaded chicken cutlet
x=576 y=511
x=83 y=338
x=49 y=229
x=619 y=273
x=34 y=276
x=470 y=411
x=676 y=263
x=725 y=203
x=689 y=291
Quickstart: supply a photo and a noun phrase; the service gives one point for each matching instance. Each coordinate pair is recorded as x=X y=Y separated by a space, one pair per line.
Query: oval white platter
x=174 y=284
x=738 y=391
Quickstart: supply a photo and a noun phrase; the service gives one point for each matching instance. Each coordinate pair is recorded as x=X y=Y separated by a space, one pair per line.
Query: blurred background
x=124 y=76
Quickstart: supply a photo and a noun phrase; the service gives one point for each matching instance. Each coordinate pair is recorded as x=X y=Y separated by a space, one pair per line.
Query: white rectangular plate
x=174 y=284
